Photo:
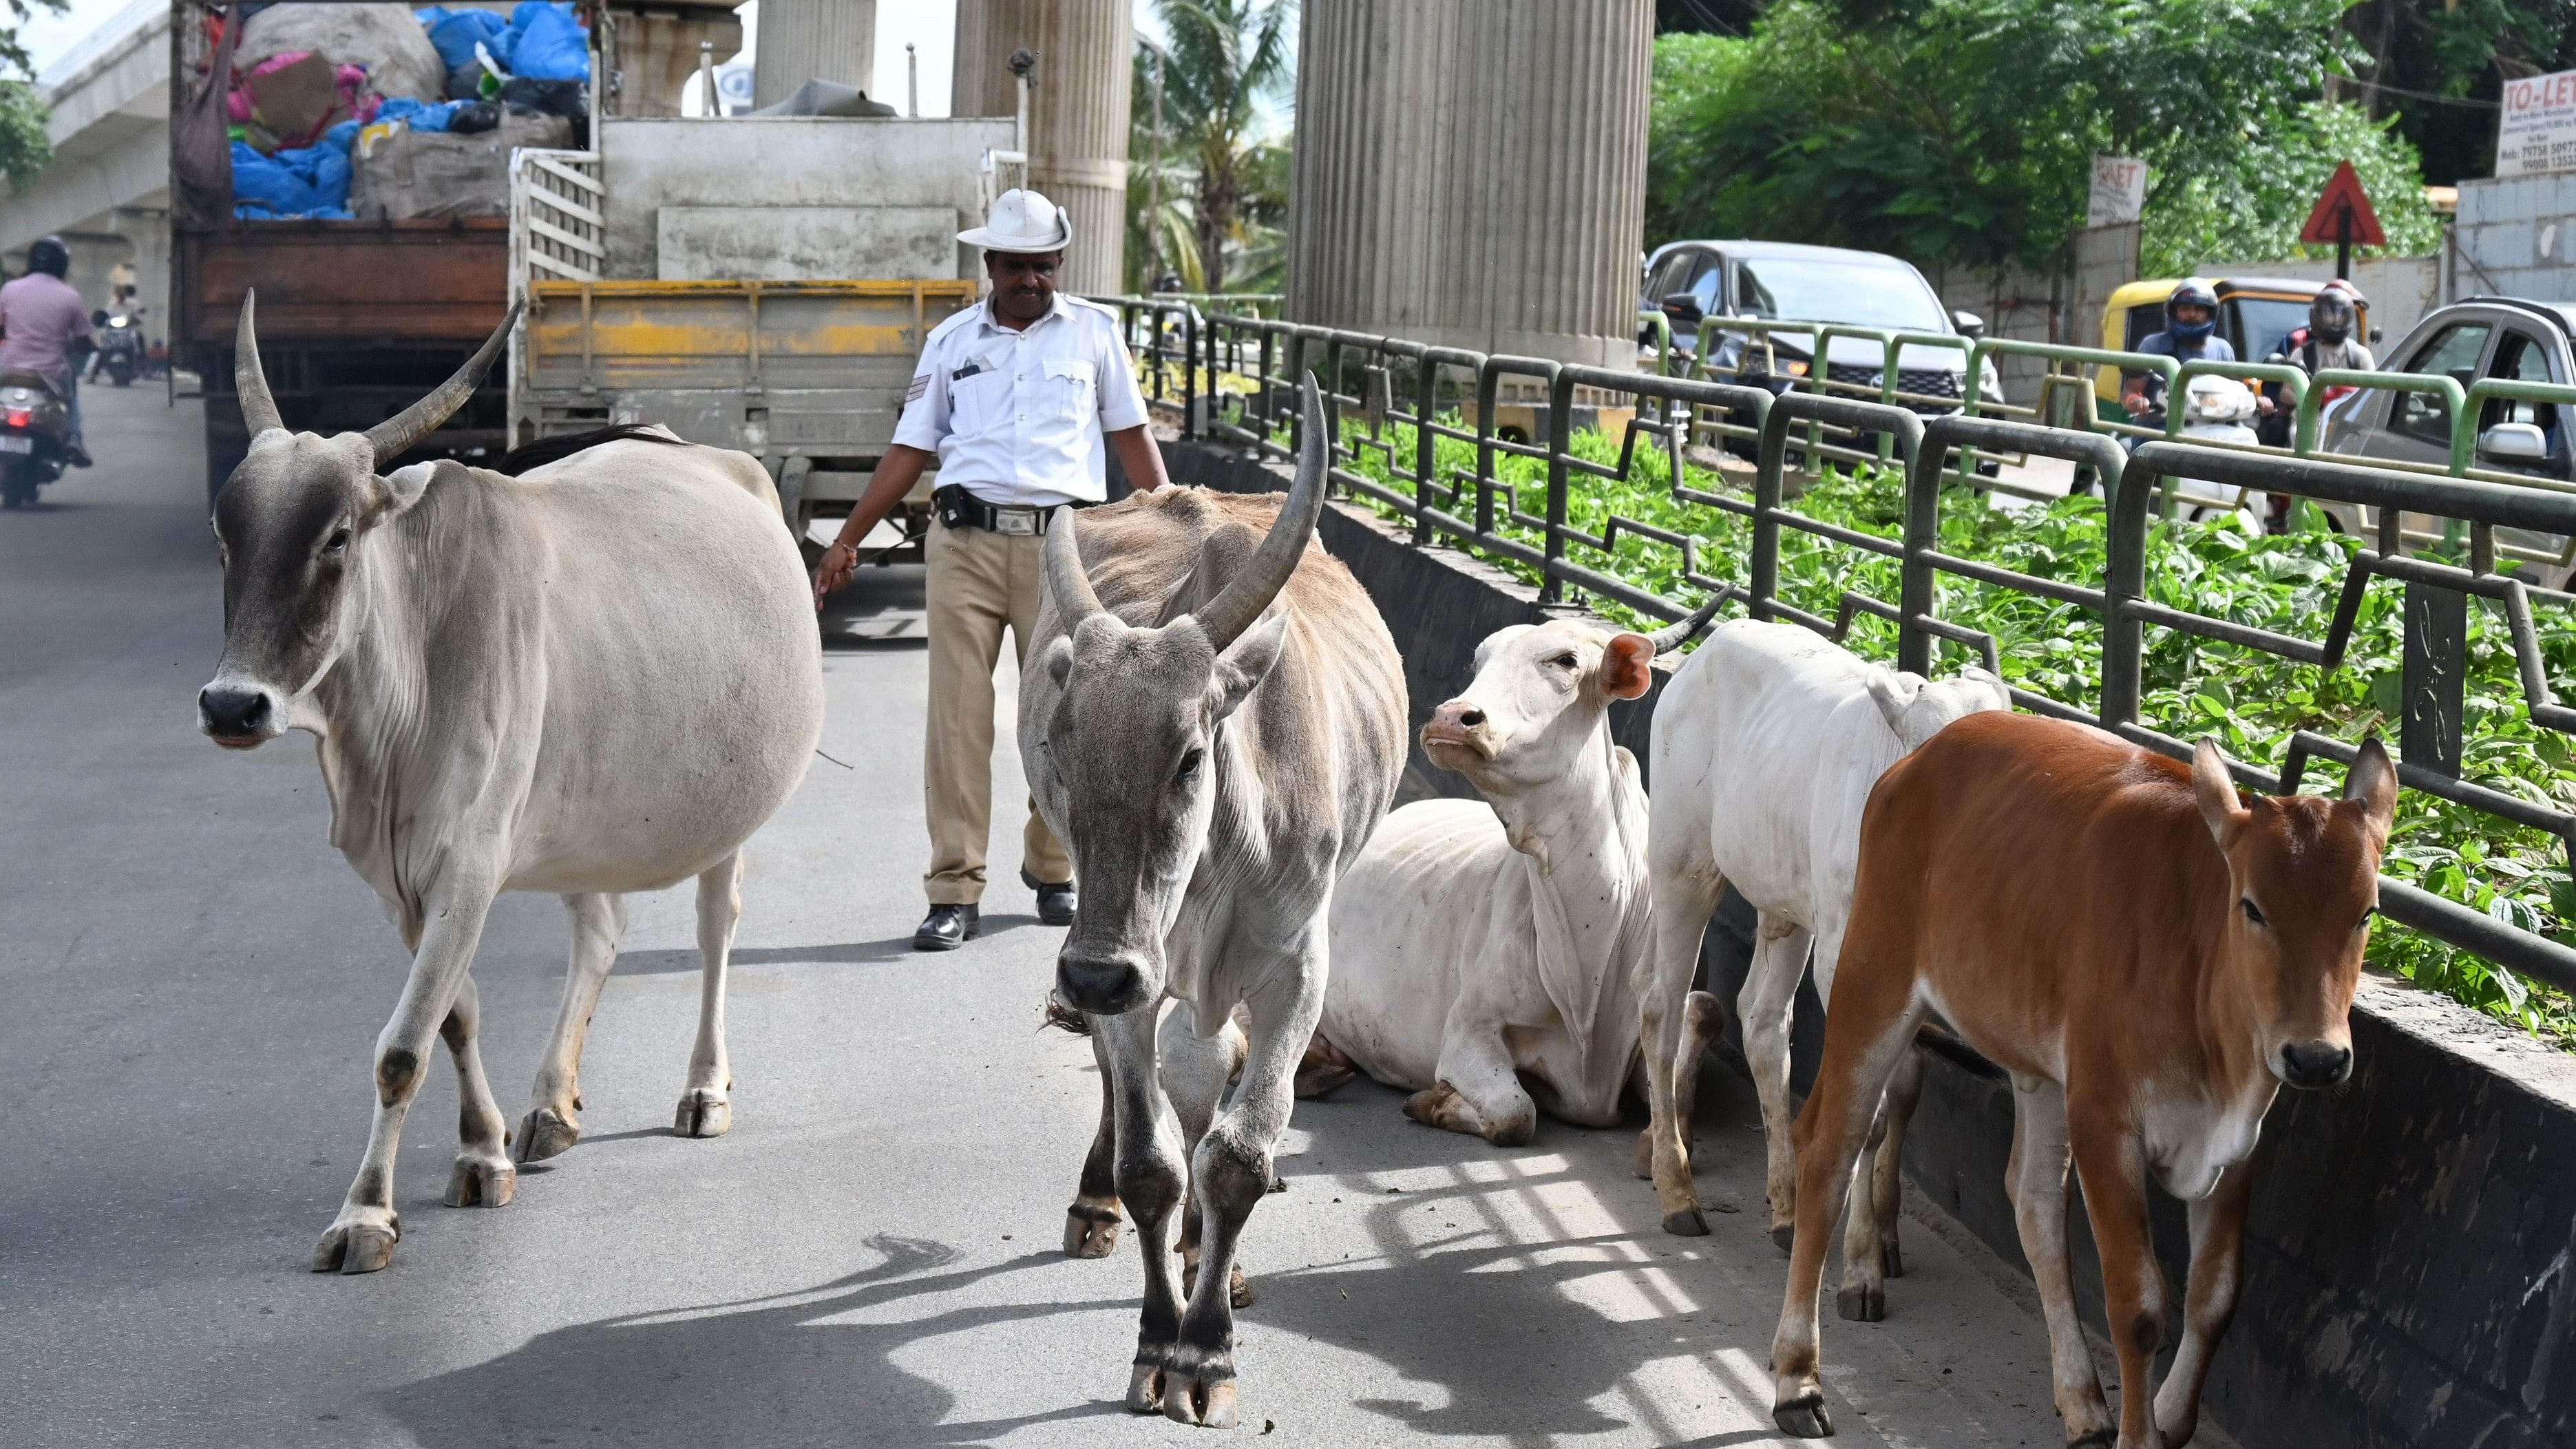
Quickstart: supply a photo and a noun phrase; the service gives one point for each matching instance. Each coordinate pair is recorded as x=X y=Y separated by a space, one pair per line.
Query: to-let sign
x=2537 y=130
x=2119 y=191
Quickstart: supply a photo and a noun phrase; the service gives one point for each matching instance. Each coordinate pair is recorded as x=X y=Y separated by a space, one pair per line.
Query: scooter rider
x=2328 y=341
x=2190 y=335
x=45 y=330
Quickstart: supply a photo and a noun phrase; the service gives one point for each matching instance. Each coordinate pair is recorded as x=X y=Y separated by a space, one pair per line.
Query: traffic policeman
x=1016 y=401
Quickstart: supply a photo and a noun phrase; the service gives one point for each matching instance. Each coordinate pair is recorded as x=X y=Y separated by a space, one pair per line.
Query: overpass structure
x=107 y=193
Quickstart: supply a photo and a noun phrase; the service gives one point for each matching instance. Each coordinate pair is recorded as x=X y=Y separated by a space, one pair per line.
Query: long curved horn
x=1065 y=577
x=250 y=384
x=1242 y=600
x=1674 y=636
x=395 y=435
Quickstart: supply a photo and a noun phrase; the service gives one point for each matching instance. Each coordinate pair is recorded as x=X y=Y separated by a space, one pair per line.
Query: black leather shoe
x=945 y=929
x=78 y=455
x=1055 y=902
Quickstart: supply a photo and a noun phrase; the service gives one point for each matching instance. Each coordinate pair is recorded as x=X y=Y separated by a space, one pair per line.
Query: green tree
x=1964 y=130
x=1223 y=185
x=2252 y=210
x=25 y=148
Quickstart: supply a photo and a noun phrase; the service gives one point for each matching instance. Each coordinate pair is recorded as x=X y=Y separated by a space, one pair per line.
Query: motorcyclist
x=2329 y=340
x=45 y=329
x=2190 y=335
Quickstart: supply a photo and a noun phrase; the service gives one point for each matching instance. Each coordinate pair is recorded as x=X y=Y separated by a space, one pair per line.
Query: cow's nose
x=1103 y=985
x=2312 y=1064
x=1458 y=715
x=232 y=713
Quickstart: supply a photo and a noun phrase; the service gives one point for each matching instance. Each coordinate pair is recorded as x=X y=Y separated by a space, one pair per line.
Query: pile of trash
x=377 y=111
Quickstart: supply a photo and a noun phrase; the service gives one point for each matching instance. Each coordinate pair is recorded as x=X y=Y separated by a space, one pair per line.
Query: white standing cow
x=1477 y=946
x=1767 y=743
x=596 y=678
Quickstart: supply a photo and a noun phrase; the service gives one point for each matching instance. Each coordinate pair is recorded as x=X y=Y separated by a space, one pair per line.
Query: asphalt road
x=193 y=981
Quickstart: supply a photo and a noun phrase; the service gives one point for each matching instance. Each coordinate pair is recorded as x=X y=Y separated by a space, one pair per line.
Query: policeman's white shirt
x=1017 y=417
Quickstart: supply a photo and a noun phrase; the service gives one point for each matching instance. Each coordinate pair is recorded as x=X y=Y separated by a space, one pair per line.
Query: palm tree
x=1221 y=185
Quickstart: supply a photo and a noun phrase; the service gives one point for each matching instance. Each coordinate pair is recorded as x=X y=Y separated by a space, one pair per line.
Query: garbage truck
x=331 y=158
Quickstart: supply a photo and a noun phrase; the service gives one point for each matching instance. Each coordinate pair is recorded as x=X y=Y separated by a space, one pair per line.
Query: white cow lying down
x=1767 y=743
x=1478 y=945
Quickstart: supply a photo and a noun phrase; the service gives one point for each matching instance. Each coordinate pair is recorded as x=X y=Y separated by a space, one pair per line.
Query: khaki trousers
x=978 y=582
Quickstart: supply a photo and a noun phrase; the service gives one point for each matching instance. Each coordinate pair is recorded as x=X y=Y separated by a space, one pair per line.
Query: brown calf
x=2150 y=956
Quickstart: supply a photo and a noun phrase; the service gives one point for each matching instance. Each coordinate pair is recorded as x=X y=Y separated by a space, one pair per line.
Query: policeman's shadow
x=783 y=1369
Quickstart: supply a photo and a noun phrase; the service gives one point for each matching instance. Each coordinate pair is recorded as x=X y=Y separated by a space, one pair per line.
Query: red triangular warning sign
x=2343 y=199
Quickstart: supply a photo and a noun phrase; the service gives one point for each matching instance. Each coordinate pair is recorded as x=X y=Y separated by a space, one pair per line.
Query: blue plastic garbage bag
x=419 y=115
x=550 y=44
x=325 y=169
x=312 y=181
x=453 y=32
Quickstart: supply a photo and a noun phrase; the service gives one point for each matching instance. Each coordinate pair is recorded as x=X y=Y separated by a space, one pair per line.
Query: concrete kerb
x=2410 y=1269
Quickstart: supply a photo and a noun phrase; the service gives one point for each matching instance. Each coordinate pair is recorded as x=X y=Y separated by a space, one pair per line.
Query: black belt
x=961 y=509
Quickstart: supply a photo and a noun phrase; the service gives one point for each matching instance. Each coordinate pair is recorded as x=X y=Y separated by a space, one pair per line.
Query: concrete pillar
x=800 y=40
x=657 y=53
x=1472 y=173
x=1077 y=114
x=149 y=230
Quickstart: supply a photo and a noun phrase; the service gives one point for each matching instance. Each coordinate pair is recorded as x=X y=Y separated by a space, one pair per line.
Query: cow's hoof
x=1804 y=1417
x=1090 y=1230
x=1688 y=1223
x=1204 y=1396
x=481 y=1182
x=2098 y=1439
x=703 y=1113
x=1861 y=1305
x=1145 y=1389
x=1238 y=1289
x=1784 y=1236
x=361 y=1241
x=1433 y=1106
x=544 y=1133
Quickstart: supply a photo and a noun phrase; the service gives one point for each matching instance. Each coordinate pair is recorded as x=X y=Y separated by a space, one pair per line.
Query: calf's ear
x=1246 y=662
x=1893 y=693
x=2216 y=792
x=1627 y=666
x=2373 y=781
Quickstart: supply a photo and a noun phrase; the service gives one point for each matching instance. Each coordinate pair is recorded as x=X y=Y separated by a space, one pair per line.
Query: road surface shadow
x=789 y=1369
x=845 y=953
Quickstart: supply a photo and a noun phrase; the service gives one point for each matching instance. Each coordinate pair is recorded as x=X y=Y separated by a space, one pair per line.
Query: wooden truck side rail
x=357 y=319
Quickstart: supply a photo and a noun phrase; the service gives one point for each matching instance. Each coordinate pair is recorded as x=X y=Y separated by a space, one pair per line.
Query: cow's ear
x=1893 y=693
x=2373 y=782
x=1627 y=666
x=1245 y=663
x=400 y=489
x=2216 y=791
x=1058 y=660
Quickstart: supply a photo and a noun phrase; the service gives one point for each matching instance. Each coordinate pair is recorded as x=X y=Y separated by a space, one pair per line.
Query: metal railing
x=1394 y=402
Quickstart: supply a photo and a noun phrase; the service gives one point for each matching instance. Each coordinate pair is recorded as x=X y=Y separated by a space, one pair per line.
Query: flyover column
x=1472 y=173
x=802 y=40
x=1077 y=113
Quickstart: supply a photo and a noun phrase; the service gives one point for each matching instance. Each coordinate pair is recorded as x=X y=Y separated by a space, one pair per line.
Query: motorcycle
x=120 y=348
x=35 y=428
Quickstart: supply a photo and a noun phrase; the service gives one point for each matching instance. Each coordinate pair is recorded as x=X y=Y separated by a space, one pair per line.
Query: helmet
x=2190 y=292
x=2332 y=312
x=50 y=256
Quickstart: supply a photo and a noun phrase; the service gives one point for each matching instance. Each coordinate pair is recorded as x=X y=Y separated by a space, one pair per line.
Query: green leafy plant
x=2251 y=701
